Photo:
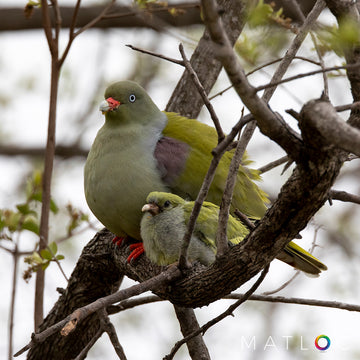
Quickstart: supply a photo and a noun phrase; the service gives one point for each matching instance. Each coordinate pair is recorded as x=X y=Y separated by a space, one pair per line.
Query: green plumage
x=166 y=219
x=140 y=149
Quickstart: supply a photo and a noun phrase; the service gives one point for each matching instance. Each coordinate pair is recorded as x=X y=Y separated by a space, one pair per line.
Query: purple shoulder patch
x=171 y=155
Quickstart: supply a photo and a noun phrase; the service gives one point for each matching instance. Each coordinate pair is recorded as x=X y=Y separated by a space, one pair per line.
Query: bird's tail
x=299 y=258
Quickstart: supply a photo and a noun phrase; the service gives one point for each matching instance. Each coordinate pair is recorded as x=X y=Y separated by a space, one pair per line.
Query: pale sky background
x=151 y=330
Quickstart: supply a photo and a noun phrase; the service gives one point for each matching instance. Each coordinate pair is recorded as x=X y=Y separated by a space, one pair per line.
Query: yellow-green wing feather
x=202 y=138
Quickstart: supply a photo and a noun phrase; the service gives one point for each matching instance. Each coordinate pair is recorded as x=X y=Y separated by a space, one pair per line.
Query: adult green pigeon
x=141 y=149
x=165 y=221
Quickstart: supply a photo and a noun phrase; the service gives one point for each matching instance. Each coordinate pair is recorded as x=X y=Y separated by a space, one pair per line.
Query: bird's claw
x=118 y=240
x=136 y=250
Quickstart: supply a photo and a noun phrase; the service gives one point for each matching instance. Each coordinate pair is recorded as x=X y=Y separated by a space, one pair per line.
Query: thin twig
x=322 y=62
x=260 y=67
x=91 y=23
x=244 y=219
x=58 y=264
x=344 y=196
x=106 y=324
x=283 y=286
x=273 y=164
x=203 y=94
x=83 y=353
x=310 y=73
x=148 y=52
x=346 y=107
x=217 y=154
x=300 y=301
x=229 y=311
x=221 y=233
x=13 y=297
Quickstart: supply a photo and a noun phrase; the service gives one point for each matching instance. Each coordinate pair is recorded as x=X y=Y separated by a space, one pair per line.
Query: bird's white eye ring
x=132 y=98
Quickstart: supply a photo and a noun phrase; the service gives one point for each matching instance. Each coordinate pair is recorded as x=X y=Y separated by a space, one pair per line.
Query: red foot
x=118 y=240
x=137 y=250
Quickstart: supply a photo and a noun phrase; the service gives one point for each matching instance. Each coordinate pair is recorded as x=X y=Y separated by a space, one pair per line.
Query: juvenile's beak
x=152 y=208
x=109 y=104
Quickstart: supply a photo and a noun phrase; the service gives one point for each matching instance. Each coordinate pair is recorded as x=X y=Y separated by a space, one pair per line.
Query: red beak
x=113 y=104
x=109 y=104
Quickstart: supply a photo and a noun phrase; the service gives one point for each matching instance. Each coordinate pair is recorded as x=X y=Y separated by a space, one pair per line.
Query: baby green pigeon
x=165 y=221
x=141 y=149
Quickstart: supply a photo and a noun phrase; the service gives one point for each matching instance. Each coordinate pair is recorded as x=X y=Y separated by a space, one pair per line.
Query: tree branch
x=325 y=125
x=13 y=19
x=269 y=122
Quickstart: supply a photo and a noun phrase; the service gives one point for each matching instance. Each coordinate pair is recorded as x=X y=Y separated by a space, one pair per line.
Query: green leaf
x=36 y=196
x=53 y=247
x=60 y=257
x=46 y=254
x=53 y=207
x=23 y=208
x=45 y=265
x=32 y=225
x=260 y=15
x=37 y=258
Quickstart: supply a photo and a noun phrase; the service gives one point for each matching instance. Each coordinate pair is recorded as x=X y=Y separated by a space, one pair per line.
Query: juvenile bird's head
x=127 y=101
x=158 y=202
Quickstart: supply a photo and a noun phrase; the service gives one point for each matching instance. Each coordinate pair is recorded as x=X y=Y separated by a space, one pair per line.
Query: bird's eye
x=167 y=203
x=132 y=98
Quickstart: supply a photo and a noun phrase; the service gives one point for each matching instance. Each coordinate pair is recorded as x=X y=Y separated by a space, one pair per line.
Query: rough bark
x=94 y=276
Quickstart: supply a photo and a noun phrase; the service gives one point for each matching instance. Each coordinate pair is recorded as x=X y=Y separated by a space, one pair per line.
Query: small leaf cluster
x=26 y=215
x=42 y=260
x=338 y=39
x=77 y=217
x=265 y=36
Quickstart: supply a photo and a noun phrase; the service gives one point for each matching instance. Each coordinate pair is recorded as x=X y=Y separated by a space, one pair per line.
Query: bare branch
x=312 y=302
x=270 y=124
x=273 y=164
x=82 y=355
x=175 y=61
x=344 y=196
x=229 y=311
x=203 y=94
x=322 y=118
x=110 y=330
x=310 y=73
x=221 y=233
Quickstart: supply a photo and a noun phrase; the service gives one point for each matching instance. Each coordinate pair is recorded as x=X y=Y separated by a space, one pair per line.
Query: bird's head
x=127 y=101
x=158 y=202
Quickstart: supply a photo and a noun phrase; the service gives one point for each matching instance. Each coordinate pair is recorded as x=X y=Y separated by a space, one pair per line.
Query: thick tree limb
x=94 y=276
x=325 y=125
x=13 y=19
